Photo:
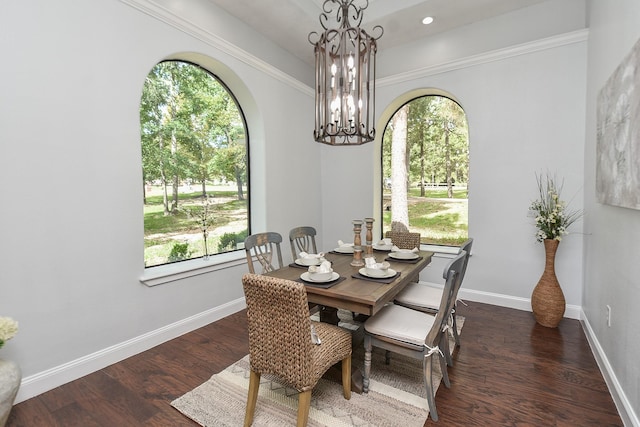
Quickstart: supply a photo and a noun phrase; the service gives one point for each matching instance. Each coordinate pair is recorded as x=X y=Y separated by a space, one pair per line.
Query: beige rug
x=396 y=396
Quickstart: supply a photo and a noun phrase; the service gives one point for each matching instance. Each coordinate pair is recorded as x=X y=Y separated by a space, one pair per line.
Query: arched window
x=195 y=165
x=425 y=171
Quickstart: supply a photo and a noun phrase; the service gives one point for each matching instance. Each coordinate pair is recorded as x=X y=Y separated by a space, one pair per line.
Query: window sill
x=441 y=251
x=161 y=274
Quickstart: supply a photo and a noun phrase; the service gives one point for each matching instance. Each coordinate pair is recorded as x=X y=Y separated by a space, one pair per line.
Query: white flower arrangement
x=8 y=329
x=552 y=216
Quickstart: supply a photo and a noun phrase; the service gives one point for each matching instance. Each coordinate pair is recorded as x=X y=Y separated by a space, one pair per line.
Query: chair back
x=466 y=246
x=447 y=302
x=302 y=239
x=263 y=246
x=404 y=240
x=279 y=328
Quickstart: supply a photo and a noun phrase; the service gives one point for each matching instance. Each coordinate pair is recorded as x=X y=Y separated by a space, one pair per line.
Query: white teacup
x=375 y=272
x=321 y=272
x=404 y=253
x=310 y=259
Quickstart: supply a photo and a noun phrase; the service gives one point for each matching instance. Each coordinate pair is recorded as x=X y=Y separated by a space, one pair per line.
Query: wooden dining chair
x=262 y=247
x=302 y=239
x=404 y=240
x=415 y=334
x=280 y=341
x=426 y=296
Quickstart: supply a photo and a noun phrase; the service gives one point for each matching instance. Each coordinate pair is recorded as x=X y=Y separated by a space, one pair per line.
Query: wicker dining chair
x=302 y=239
x=415 y=334
x=263 y=246
x=404 y=240
x=280 y=341
x=425 y=296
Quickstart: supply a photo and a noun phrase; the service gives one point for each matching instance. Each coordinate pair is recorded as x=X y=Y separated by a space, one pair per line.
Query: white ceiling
x=289 y=22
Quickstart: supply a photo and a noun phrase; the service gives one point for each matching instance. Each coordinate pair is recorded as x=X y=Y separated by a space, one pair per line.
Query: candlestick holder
x=357 y=244
x=369 y=237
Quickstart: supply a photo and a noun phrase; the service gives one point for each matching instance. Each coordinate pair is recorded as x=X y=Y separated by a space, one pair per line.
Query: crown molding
x=491 y=56
x=153 y=9
x=162 y=14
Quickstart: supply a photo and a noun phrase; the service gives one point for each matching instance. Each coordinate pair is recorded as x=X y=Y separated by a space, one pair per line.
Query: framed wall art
x=618 y=135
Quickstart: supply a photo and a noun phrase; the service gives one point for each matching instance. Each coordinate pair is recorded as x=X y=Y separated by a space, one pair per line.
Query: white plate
x=404 y=255
x=315 y=261
x=382 y=247
x=390 y=273
x=344 y=249
x=305 y=276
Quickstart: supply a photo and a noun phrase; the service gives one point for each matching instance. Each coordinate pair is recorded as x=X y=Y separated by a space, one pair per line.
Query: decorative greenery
x=8 y=329
x=179 y=252
x=229 y=241
x=204 y=217
x=552 y=214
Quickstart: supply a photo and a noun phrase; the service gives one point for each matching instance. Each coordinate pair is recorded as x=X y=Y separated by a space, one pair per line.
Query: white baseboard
x=625 y=408
x=47 y=380
x=41 y=382
x=524 y=304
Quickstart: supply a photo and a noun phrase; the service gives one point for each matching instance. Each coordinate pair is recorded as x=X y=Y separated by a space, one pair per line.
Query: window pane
x=425 y=164
x=194 y=161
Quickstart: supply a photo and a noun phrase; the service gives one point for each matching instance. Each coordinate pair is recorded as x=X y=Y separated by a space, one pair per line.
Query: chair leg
x=367 y=364
x=254 y=384
x=446 y=350
x=455 y=328
x=428 y=382
x=346 y=377
x=304 y=403
x=445 y=373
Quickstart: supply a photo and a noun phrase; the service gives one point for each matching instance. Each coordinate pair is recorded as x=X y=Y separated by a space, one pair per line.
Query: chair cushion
x=420 y=295
x=400 y=323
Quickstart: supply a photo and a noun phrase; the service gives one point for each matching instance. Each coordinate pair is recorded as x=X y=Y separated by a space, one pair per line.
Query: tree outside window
x=194 y=162
x=425 y=164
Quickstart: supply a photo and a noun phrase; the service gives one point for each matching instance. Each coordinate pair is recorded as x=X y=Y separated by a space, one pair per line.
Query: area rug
x=396 y=396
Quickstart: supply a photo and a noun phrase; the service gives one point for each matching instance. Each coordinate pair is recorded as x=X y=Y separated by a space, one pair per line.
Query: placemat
x=408 y=261
x=321 y=285
x=372 y=279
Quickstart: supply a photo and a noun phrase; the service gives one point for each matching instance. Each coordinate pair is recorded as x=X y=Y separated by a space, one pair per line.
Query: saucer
x=344 y=249
x=404 y=255
x=390 y=273
x=382 y=247
x=305 y=276
x=315 y=261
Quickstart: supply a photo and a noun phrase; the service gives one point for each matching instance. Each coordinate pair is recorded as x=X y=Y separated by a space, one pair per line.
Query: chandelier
x=345 y=76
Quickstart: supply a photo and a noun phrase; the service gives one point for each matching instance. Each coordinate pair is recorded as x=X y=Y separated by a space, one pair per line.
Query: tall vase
x=10 y=377
x=547 y=300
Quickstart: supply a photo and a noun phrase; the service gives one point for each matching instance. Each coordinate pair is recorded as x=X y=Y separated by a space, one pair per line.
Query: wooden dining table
x=354 y=293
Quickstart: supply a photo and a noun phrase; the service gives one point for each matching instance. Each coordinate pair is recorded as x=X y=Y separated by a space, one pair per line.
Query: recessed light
x=428 y=20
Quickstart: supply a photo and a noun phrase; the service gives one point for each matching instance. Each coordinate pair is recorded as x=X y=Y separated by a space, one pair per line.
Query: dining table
x=353 y=291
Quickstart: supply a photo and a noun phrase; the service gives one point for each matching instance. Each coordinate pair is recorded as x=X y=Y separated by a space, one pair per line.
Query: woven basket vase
x=547 y=300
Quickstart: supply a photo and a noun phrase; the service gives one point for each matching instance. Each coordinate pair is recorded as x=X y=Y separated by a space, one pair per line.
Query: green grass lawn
x=439 y=220
x=162 y=232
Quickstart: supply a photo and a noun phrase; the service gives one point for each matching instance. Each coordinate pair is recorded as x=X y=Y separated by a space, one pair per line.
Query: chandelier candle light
x=345 y=76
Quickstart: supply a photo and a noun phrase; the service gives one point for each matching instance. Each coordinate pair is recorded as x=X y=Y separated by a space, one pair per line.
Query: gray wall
x=611 y=267
x=71 y=247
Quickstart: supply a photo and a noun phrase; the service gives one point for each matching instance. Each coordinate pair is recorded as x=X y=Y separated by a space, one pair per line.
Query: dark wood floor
x=508 y=372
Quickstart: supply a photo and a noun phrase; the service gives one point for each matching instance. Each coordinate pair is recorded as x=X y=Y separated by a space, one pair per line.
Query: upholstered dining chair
x=404 y=240
x=302 y=239
x=415 y=334
x=285 y=342
x=263 y=246
x=425 y=296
